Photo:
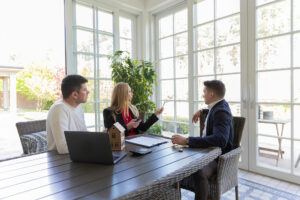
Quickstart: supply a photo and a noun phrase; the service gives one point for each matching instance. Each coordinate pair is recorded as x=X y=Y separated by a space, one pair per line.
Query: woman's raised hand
x=159 y=111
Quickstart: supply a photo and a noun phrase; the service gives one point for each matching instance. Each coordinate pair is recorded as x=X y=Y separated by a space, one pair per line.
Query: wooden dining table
x=52 y=176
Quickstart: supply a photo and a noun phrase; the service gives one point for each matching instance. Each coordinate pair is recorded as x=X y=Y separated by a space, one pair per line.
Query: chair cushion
x=34 y=142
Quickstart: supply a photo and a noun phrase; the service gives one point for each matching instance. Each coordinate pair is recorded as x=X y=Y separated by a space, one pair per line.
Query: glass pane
x=235 y=109
x=182 y=128
x=274 y=86
x=180 y=21
x=166 y=26
x=297 y=86
x=201 y=106
x=85 y=65
x=105 y=44
x=89 y=113
x=105 y=21
x=106 y=88
x=296 y=50
x=167 y=90
x=205 y=62
x=182 y=111
x=85 y=41
x=102 y=107
x=125 y=27
x=125 y=45
x=166 y=68
x=224 y=8
x=105 y=69
x=232 y=85
x=168 y=129
x=228 y=30
x=168 y=113
x=260 y=2
x=269 y=156
x=204 y=10
x=228 y=59
x=274 y=53
x=205 y=36
x=182 y=66
x=201 y=86
x=91 y=129
x=296 y=122
x=274 y=120
x=91 y=88
x=166 y=47
x=297 y=157
x=296 y=7
x=181 y=44
x=84 y=16
x=182 y=89
x=273 y=19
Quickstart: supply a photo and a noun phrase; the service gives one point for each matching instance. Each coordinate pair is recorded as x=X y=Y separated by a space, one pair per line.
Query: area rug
x=249 y=190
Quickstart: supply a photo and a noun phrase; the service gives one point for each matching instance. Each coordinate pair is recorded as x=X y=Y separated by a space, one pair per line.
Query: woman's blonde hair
x=120 y=99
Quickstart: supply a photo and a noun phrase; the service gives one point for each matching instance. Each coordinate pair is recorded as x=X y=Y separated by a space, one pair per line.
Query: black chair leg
x=237 y=192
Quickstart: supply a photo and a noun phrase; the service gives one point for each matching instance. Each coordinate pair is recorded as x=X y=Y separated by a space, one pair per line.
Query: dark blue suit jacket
x=219 y=130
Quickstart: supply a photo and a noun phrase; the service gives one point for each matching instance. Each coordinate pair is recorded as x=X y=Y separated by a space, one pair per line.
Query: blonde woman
x=121 y=110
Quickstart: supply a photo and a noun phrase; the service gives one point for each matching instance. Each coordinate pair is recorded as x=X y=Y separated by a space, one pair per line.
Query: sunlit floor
x=271 y=182
x=10 y=145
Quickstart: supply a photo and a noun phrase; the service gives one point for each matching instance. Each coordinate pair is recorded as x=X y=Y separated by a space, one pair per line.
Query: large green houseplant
x=139 y=74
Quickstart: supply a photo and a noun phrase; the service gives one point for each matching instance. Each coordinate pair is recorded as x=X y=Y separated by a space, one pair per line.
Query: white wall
x=158 y=5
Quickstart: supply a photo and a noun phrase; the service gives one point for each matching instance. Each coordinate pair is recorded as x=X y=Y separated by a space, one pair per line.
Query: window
x=217 y=49
x=126 y=35
x=277 y=75
x=94 y=42
x=173 y=76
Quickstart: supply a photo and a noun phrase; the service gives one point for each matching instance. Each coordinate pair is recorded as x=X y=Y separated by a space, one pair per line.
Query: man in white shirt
x=67 y=114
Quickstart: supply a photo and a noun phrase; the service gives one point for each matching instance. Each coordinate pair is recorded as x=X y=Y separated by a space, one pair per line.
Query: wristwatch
x=187 y=140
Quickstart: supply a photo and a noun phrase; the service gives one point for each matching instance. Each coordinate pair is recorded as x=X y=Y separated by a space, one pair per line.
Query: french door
x=275 y=88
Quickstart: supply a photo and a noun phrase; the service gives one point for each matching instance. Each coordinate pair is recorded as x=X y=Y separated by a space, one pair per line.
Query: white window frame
x=71 y=53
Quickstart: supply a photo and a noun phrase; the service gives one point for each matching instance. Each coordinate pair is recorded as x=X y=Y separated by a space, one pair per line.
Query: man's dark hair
x=71 y=83
x=216 y=86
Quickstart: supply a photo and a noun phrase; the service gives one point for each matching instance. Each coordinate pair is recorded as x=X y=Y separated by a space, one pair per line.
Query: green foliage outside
x=155 y=129
x=140 y=75
x=40 y=83
x=180 y=128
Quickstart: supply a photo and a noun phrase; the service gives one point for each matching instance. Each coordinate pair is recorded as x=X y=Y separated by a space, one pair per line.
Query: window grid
x=129 y=38
x=289 y=68
x=215 y=49
x=96 y=56
x=175 y=121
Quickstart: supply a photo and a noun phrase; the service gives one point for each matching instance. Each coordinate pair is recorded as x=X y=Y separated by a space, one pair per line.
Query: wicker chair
x=167 y=188
x=227 y=170
x=33 y=136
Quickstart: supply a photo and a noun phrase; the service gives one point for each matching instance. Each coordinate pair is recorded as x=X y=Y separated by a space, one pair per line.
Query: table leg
x=279 y=139
x=297 y=162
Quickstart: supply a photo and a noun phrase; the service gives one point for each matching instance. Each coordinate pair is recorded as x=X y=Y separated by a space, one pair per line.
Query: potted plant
x=139 y=74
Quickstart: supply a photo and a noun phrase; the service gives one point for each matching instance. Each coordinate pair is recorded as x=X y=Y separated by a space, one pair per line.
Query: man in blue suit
x=218 y=131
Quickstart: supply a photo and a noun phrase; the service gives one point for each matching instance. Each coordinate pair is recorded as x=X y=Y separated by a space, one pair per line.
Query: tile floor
x=271 y=182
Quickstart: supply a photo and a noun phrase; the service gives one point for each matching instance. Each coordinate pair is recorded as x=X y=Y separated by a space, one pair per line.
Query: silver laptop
x=92 y=147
